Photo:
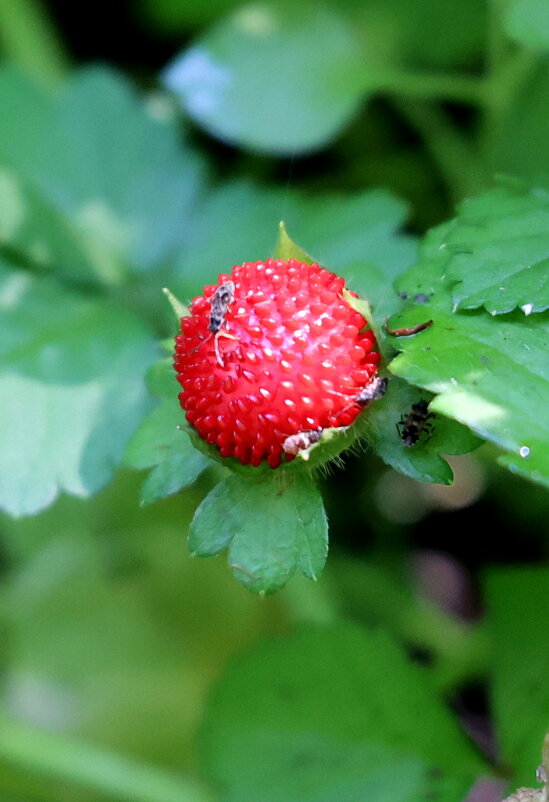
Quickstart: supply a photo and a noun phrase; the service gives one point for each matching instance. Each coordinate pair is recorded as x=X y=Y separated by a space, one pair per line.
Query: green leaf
x=316 y=726
x=491 y=374
x=354 y=235
x=421 y=461
x=527 y=22
x=162 y=380
x=401 y=31
x=181 y=466
x=499 y=251
x=100 y=183
x=155 y=435
x=517 y=610
x=160 y=444
x=279 y=78
x=272 y=526
x=71 y=390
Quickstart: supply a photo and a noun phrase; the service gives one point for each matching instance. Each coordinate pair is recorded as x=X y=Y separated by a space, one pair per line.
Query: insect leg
x=217 y=335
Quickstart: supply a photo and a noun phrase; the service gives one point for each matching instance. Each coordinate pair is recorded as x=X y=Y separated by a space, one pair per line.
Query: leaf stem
x=508 y=68
x=29 y=39
x=497 y=44
x=459 y=164
x=430 y=86
x=122 y=778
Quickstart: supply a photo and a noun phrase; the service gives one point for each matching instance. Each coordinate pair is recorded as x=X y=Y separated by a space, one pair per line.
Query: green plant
x=108 y=194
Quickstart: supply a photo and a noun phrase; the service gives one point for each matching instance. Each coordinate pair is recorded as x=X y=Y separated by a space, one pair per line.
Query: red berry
x=271 y=351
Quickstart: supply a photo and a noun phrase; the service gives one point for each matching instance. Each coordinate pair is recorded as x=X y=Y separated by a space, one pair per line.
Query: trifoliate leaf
x=271 y=526
x=517 y=611
x=384 y=424
x=498 y=248
x=278 y=78
x=489 y=373
x=71 y=390
x=318 y=726
x=101 y=184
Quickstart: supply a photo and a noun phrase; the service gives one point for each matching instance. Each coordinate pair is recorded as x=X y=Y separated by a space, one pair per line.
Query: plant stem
x=29 y=40
x=497 y=44
x=429 y=86
x=121 y=778
x=460 y=166
x=508 y=69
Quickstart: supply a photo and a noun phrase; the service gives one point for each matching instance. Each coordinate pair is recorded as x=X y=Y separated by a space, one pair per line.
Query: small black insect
x=411 y=426
x=220 y=303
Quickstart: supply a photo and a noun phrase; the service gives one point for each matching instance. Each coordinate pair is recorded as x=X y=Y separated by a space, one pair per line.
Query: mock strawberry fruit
x=272 y=356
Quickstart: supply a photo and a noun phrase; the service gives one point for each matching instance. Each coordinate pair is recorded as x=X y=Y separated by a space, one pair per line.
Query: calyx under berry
x=271 y=357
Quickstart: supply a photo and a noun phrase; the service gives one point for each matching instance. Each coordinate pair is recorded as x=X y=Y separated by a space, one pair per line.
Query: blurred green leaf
x=155 y=435
x=279 y=77
x=271 y=526
x=333 y=714
x=491 y=374
x=421 y=461
x=498 y=250
x=161 y=378
x=108 y=628
x=527 y=22
x=71 y=390
x=432 y=34
x=355 y=235
x=517 y=609
x=99 y=183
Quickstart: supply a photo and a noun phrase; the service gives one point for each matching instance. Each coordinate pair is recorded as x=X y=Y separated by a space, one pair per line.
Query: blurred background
x=112 y=636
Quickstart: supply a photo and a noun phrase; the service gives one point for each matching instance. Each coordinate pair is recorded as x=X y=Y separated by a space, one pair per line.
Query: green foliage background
x=405 y=146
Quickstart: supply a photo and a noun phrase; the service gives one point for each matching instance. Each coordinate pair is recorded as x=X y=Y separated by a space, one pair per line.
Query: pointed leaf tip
x=286 y=248
x=179 y=308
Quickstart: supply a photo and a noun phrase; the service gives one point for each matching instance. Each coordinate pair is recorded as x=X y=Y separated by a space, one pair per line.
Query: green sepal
x=362 y=306
x=287 y=249
x=179 y=308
